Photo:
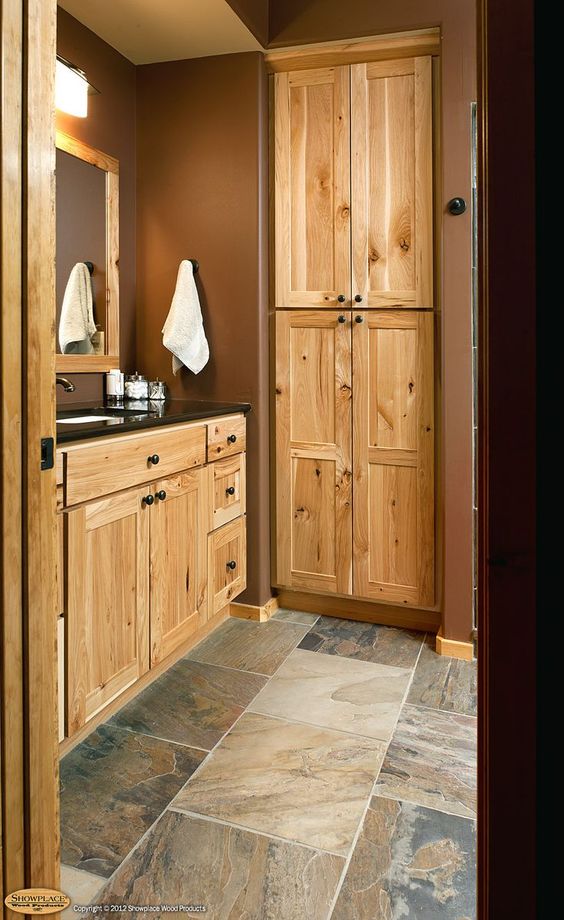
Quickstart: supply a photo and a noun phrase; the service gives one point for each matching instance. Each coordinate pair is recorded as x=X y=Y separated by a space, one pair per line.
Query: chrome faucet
x=67 y=386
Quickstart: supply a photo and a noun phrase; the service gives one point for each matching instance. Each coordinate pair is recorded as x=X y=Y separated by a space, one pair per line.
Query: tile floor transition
x=304 y=767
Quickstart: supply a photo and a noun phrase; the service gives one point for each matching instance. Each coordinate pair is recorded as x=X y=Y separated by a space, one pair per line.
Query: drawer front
x=226 y=437
x=97 y=470
x=227 y=494
x=227 y=564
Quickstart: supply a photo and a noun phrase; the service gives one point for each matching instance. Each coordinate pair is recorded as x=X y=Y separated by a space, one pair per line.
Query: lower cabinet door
x=107 y=615
x=393 y=446
x=227 y=563
x=178 y=547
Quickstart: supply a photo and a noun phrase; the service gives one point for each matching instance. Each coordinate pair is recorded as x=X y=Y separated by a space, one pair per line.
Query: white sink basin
x=84 y=419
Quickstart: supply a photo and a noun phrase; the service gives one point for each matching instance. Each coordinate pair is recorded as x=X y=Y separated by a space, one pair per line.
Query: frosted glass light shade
x=71 y=91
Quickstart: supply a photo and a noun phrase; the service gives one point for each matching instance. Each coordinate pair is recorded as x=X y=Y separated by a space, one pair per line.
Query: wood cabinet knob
x=359 y=319
x=232 y=565
x=154 y=459
x=342 y=319
x=148 y=499
x=358 y=298
x=161 y=495
x=341 y=298
x=232 y=438
x=230 y=490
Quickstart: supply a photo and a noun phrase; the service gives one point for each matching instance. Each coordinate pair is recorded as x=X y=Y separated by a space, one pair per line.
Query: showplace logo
x=37 y=901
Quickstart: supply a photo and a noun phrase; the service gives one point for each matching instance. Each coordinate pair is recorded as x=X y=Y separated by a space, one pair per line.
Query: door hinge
x=47 y=453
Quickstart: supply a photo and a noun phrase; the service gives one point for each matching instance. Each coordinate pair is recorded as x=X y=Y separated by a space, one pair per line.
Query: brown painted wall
x=110 y=126
x=254 y=13
x=294 y=22
x=202 y=194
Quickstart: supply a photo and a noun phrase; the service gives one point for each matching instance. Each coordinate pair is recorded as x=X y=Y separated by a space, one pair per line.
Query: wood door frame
x=507 y=501
x=30 y=820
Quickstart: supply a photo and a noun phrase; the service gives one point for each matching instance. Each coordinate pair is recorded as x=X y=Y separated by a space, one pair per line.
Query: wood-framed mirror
x=87 y=207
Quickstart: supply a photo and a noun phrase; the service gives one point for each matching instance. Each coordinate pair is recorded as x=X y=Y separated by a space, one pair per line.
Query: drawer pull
x=154 y=459
x=341 y=298
x=232 y=565
x=230 y=490
x=161 y=495
x=342 y=319
x=148 y=499
x=232 y=438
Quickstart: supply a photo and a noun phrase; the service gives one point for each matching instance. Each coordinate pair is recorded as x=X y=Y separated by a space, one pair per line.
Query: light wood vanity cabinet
x=144 y=568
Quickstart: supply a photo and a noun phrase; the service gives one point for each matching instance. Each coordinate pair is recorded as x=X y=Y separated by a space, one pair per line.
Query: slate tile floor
x=304 y=767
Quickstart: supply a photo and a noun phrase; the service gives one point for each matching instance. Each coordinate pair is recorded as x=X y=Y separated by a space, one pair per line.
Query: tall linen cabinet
x=354 y=330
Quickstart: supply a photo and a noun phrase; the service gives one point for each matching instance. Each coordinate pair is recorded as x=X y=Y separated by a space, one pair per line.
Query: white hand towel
x=77 y=326
x=183 y=331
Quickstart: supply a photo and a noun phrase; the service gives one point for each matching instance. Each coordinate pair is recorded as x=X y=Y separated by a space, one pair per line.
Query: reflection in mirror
x=81 y=238
x=87 y=203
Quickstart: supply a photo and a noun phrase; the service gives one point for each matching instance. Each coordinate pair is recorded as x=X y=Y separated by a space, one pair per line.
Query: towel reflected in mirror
x=77 y=326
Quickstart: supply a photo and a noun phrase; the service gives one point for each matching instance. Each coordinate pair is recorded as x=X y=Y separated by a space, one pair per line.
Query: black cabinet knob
x=342 y=319
x=154 y=459
x=232 y=565
x=359 y=319
x=230 y=490
x=148 y=500
x=456 y=206
x=161 y=495
x=232 y=438
x=341 y=298
x=358 y=298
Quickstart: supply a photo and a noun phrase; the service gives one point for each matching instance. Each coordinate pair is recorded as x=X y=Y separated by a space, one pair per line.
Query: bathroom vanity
x=152 y=537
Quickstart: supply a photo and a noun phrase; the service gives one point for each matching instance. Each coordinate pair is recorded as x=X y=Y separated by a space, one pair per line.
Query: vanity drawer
x=100 y=469
x=227 y=564
x=226 y=437
x=226 y=490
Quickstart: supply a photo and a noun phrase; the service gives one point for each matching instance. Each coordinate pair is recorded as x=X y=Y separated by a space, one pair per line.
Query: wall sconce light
x=72 y=89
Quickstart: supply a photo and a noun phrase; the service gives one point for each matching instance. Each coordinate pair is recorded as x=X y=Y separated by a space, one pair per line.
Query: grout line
x=251 y=830
x=327 y=728
x=441 y=811
x=446 y=712
x=132 y=731
x=225 y=667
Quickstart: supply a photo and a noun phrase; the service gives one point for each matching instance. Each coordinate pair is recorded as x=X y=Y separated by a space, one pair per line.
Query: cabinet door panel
x=227 y=563
x=107 y=623
x=393 y=442
x=313 y=451
x=312 y=167
x=391 y=177
x=178 y=561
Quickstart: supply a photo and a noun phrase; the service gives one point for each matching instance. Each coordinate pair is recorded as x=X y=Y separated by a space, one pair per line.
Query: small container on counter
x=157 y=390
x=114 y=388
x=136 y=386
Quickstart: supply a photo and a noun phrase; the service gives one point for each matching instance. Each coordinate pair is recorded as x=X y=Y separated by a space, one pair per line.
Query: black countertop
x=138 y=414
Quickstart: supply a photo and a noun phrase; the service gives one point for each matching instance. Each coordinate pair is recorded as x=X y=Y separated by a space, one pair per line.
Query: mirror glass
x=87 y=207
x=81 y=238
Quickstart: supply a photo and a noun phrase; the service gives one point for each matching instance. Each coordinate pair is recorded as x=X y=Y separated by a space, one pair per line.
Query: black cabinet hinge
x=47 y=453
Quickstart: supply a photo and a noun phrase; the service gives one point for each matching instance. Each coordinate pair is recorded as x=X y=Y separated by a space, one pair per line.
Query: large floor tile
x=444 y=683
x=296 y=616
x=192 y=703
x=431 y=761
x=81 y=887
x=295 y=781
x=365 y=641
x=234 y=873
x=340 y=693
x=114 y=785
x=410 y=863
x=250 y=646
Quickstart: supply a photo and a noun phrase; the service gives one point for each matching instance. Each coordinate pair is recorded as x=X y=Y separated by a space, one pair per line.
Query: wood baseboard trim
x=251 y=612
x=453 y=648
x=365 y=611
x=145 y=681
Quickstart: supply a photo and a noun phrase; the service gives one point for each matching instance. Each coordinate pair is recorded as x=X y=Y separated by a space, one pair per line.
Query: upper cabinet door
x=392 y=183
x=313 y=450
x=312 y=187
